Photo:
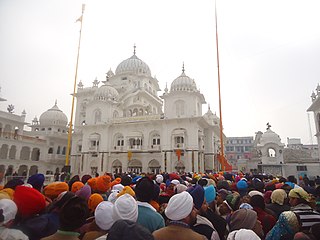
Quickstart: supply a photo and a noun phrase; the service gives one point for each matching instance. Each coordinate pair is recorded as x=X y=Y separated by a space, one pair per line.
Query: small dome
x=211 y=118
x=183 y=83
x=270 y=137
x=53 y=117
x=133 y=65
x=106 y=92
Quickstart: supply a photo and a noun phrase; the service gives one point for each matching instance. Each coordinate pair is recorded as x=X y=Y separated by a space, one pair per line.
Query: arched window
x=155 y=139
x=271 y=152
x=64 y=151
x=180 y=105
x=58 y=150
x=97 y=116
x=115 y=114
x=50 y=150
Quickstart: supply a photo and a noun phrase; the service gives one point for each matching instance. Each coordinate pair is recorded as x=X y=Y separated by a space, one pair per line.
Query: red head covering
x=29 y=201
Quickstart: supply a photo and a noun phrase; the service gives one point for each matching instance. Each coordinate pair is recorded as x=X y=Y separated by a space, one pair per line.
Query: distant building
x=41 y=150
x=238 y=148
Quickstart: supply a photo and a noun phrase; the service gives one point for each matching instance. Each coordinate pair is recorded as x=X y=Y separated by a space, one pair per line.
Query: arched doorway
x=4 y=151
x=116 y=167
x=2 y=172
x=33 y=170
x=22 y=171
x=9 y=171
x=154 y=166
x=12 y=152
x=180 y=167
x=135 y=166
x=35 y=155
x=25 y=153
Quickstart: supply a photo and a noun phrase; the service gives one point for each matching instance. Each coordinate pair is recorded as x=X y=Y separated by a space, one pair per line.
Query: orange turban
x=115 y=182
x=92 y=182
x=94 y=200
x=126 y=189
x=76 y=186
x=8 y=191
x=100 y=184
x=54 y=189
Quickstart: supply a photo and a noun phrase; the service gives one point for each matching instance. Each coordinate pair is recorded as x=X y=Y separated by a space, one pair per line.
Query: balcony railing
x=25 y=138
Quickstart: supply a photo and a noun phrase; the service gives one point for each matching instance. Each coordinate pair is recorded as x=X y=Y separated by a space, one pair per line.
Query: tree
x=10 y=108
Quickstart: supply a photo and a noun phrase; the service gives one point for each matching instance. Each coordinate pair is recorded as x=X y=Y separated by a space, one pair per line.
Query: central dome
x=184 y=83
x=133 y=65
x=53 y=117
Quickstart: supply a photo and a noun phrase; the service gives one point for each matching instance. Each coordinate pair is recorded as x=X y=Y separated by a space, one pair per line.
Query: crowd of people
x=225 y=206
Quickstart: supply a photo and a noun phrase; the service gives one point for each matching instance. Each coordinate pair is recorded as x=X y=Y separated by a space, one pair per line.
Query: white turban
x=175 y=182
x=118 y=187
x=9 y=209
x=113 y=196
x=126 y=208
x=243 y=234
x=159 y=178
x=180 y=188
x=255 y=192
x=179 y=206
x=103 y=215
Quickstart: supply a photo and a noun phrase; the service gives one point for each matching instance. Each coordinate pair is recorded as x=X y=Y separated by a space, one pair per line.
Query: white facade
x=124 y=126
x=41 y=150
x=271 y=157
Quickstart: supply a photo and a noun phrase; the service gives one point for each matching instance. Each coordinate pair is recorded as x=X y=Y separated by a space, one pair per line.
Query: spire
x=134 y=49
x=55 y=103
x=208 y=106
x=182 y=67
x=166 y=89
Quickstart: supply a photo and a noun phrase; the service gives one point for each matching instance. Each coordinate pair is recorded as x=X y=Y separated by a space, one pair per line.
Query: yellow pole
x=220 y=108
x=74 y=91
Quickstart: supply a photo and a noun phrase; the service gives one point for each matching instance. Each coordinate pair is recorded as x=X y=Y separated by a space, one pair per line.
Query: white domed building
x=41 y=150
x=122 y=125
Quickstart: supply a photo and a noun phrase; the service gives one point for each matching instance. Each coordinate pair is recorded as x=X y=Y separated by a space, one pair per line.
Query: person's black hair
x=292 y=179
x=257 y=201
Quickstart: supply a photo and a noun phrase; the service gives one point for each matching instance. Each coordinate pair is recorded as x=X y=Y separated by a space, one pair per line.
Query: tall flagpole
x=220 y=108
x=67 y=166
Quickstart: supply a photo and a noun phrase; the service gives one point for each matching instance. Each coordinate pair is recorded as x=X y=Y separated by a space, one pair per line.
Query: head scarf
x=299 y=193
x=286 y=226
x=243 y=218
x=278 y=196
x=179 y=206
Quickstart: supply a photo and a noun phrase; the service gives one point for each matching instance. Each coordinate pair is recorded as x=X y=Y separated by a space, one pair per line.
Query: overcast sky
x=269 y=54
